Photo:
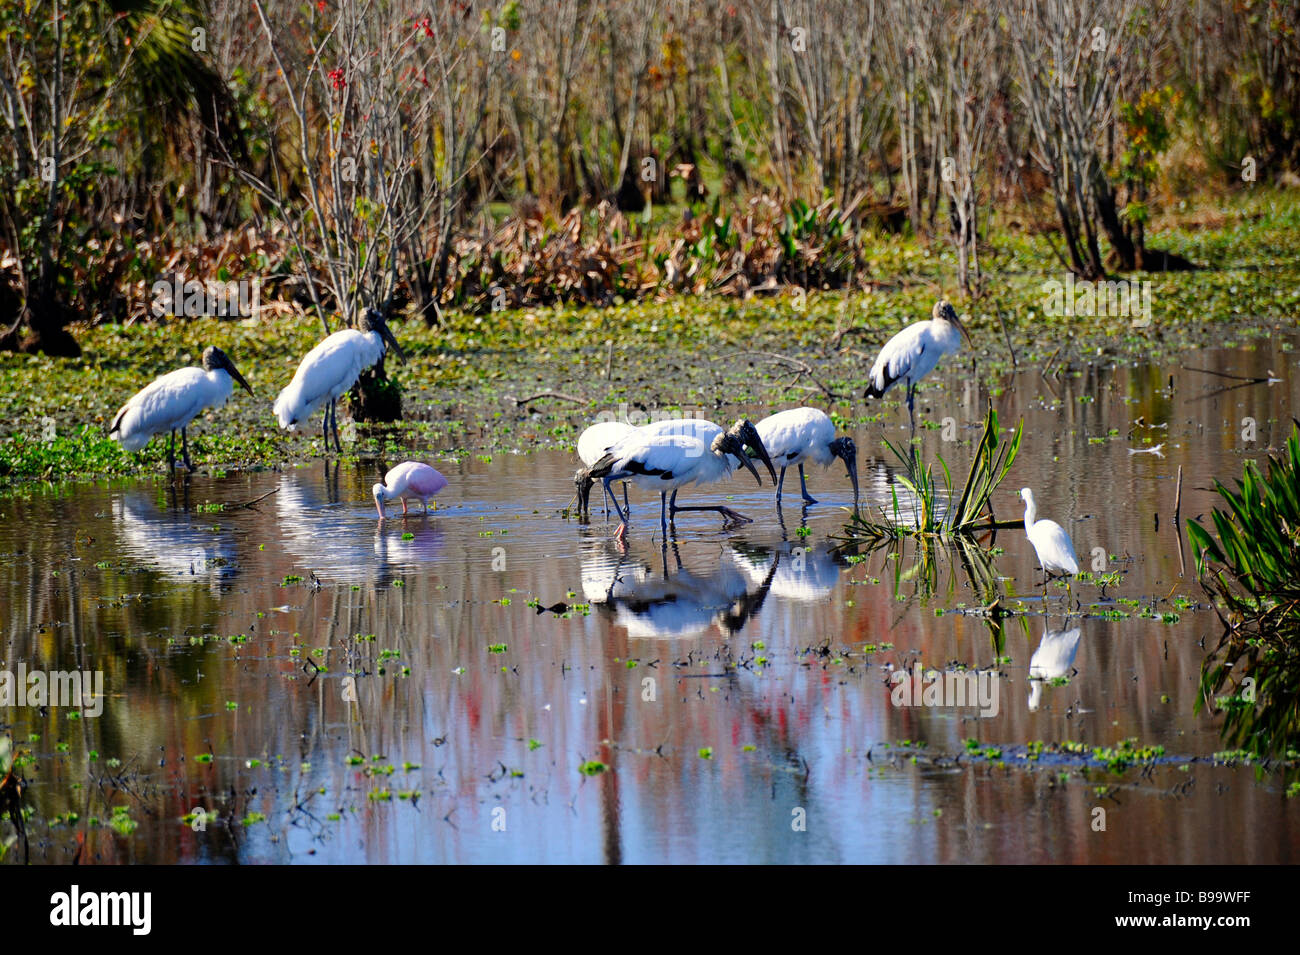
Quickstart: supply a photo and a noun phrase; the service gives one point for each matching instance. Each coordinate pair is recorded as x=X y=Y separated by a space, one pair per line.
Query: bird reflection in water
x=1053 y=659
x=680 y=602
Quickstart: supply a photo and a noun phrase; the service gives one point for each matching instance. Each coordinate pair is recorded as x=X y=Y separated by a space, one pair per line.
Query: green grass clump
x=1253 y=574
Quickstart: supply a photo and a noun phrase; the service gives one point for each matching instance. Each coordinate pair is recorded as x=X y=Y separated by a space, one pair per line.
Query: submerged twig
x=559 y=396
x=253 y=503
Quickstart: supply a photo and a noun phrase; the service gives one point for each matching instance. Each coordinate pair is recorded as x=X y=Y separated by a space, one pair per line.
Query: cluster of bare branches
x=380 y=134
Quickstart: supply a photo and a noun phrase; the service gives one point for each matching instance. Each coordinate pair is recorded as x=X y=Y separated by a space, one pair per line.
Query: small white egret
x=806 y=434
x=409 y=480
x=913 y=353
x=172 y=401
x=1053 y=659
x=668 y=462
x=330 y=369
x=1051 y=543
x=594 y=444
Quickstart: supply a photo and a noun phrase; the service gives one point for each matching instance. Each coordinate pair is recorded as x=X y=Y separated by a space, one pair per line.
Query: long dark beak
x=387 y=335
x=234 y=373
x=851 y=464
x=964 y=334
x=757 y=446
x=755 y=443
x=744 y=459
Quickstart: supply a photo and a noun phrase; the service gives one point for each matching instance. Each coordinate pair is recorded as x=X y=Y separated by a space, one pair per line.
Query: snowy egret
x=806 y=434
x=330 y=369
x=912 y=354
x=409 y=480
x=173 y=400
x=1051 y=543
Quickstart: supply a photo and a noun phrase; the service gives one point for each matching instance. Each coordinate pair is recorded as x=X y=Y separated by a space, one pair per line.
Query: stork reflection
x=682 y=600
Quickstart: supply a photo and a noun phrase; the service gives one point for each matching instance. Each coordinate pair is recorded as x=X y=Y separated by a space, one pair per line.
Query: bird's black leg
x=663 y=512
x=732 y=516
x=622 y=521
x=171 y=452
x=728 y=513
x=610 y=494
x=780 y=482
x=325 y=430
x=803 y=486
x=334 y=419
x=626 y=506
x=911 y=407
x=185 y=451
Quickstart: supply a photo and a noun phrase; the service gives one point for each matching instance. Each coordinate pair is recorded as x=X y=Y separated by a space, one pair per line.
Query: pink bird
x=410 y=480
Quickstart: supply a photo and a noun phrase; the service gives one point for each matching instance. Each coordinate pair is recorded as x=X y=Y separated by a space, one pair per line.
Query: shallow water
x=227 y=638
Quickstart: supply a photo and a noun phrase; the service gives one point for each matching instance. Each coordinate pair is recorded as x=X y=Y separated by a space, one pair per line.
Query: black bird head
x=215 y=359
x=372 y=320
x=943 y=310
x=847 y=451
x=729 y=443
x=745 y=431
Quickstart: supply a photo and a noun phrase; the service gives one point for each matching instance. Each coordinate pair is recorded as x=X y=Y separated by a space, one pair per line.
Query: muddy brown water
x=327 y=689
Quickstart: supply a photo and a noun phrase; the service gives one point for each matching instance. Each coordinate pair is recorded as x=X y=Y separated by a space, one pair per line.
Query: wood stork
x=696 y=429
x=409 y=480
x=806 y=434
x=1051 y=543
x=912 y=354
x=173 y=400
x=668 y=462
x=594 y=444
x=1054 y=658
x=330 y=369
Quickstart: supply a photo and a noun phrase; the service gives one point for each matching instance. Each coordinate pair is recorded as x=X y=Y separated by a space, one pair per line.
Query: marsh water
x=326 y=688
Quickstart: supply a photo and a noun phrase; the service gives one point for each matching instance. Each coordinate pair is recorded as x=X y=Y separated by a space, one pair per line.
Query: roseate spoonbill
x=173 y=400
x=912 y=354
x=330 y=369
x=1051 y=543
x=806 y=434
x=410 y=480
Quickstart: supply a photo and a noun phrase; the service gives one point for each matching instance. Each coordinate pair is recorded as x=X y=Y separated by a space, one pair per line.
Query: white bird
x=913 y=353
x=173 y=400
x=594 y=444
x=699 y=430
x=409 y=480
x=806 y=434
x=1053 y=659
x=1051 y=543
x=668 y=462
x=330 y=369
